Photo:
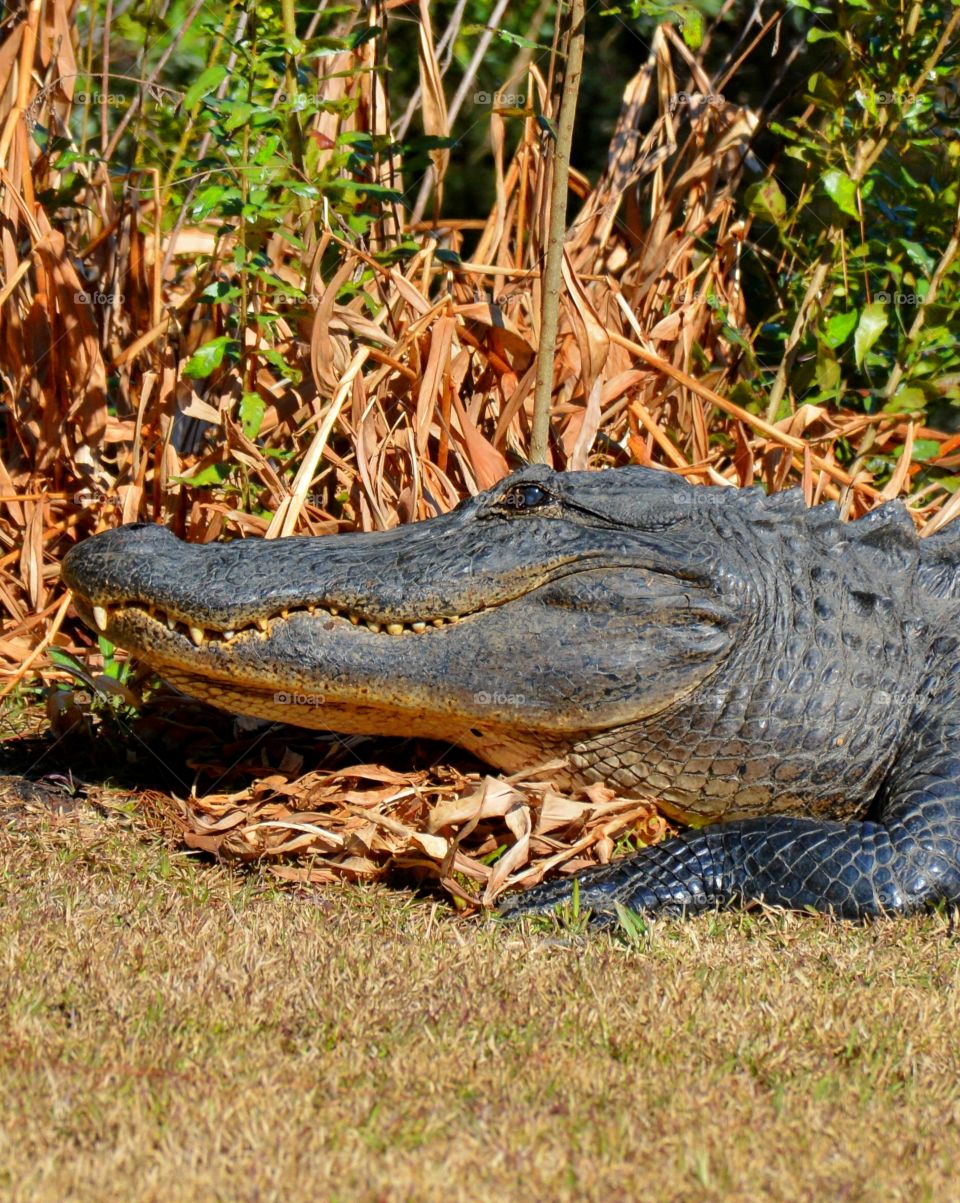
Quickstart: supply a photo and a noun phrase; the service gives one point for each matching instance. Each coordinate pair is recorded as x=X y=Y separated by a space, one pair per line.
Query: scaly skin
x=790 y=679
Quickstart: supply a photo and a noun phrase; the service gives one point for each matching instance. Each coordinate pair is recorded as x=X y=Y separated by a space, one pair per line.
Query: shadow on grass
x=179 y=745
x=142 y=764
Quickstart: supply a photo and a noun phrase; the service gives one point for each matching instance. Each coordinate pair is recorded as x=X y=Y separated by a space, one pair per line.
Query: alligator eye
x=524 y=497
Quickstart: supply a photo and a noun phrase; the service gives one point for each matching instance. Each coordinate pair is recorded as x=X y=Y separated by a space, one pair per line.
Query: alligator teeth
x=200 y=636
x=100 y=617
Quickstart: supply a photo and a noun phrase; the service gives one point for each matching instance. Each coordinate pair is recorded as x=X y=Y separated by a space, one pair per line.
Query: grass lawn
x=174 y=1030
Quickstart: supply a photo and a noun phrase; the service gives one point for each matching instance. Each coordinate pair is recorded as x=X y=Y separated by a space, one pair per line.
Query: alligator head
x=547 y=609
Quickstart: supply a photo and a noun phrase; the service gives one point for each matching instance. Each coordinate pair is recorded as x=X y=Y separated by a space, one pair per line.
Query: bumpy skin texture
x=902 y=857
x=790 y=679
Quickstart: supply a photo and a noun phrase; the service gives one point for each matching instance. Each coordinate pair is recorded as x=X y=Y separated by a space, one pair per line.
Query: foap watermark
x=867 y=97
x=293 y=698
x=143 y=93
x=894 y=697
x=299 y=100
x=98 y=298
x=114 y=99
x=694 y=100
x=482 y=698
x=489 y=298
x=92 y=495
x=707 y=697
x=899 y=298
x=296 y=298
x=87 y=697
x=503 y=100
x=935 y=108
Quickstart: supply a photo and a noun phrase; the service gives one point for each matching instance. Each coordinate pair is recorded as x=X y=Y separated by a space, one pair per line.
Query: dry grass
x=174 y=1031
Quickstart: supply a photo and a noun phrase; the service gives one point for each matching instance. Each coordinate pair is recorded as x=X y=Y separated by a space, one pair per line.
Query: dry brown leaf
x=518 y=821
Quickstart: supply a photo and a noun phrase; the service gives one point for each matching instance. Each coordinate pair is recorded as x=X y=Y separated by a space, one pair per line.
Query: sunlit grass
x=173 y=1030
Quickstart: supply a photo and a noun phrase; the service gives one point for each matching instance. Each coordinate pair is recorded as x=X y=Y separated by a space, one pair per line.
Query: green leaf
x=919 y=255
x=631 y=923
x=691 y=25
x=215 y=197
x=220 y=290
x=208 y=81
x=208 y=358
x=67 y=662
x=816 y=34
x=923 y=449
x=867 y=100
x=873 y=321
x=240 y=115
x=252 y=409
x=764 y=199
x=906 y=400
x=361 y=35
x=828 y=370
x=391 y=195
x=503 y=35
x=839 y=328
x=841 y=190
x=748 y=397
x=285 y=371
x=212 y=474
x=824 y=87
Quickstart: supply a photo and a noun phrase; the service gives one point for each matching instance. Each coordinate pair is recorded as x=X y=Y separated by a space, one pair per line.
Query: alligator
x=784 y=683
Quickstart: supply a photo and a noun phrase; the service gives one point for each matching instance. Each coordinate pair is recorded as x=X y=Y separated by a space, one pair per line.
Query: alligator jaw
x=202 y=670
x=119 y=618
x=489 y=626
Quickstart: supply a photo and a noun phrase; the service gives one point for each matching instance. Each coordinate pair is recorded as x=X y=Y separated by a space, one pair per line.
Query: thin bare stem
x=553 y=268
